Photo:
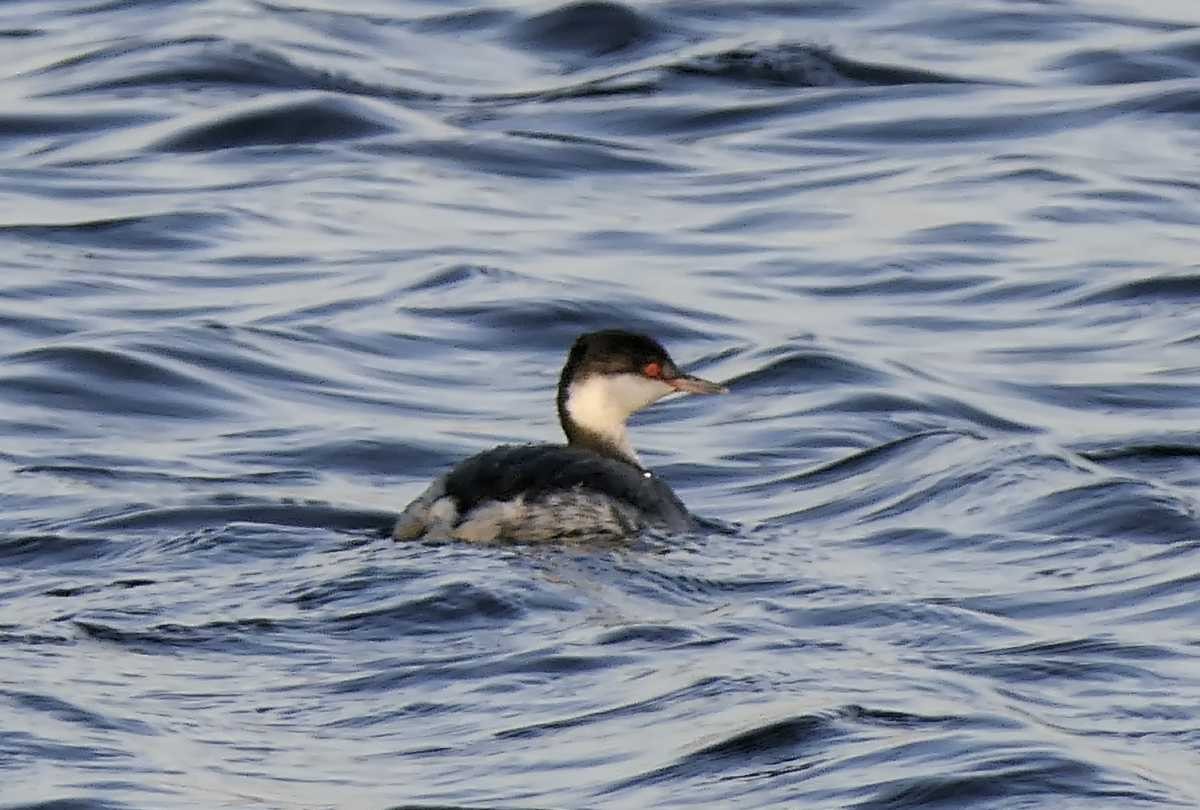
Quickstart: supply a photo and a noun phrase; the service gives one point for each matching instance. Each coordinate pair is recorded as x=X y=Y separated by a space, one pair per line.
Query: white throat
x=602 y=403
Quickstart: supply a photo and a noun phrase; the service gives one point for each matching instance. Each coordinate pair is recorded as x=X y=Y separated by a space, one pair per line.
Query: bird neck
x=594 y=411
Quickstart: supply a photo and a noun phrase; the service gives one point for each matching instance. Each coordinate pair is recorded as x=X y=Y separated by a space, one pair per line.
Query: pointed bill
x=695 y=385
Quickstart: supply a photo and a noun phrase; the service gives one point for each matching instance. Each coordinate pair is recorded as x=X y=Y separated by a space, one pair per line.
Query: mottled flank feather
x=419 y=517
x=537 y=493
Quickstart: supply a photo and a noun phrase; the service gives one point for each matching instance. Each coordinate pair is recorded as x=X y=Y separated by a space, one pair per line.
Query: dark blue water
x=266 y=268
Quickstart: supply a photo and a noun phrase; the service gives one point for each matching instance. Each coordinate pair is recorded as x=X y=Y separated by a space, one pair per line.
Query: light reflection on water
x=270 y=268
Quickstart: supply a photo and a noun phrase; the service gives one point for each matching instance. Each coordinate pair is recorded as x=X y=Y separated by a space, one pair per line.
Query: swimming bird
x=594 y=487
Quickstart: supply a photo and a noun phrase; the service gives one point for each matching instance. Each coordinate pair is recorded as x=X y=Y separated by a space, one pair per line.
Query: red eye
x=652 y=370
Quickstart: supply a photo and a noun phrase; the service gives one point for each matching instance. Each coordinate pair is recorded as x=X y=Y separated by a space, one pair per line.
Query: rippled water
x=269 y=267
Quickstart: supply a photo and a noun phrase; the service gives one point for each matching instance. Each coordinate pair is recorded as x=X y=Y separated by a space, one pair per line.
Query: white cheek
x=632 y=392
x=604 y=403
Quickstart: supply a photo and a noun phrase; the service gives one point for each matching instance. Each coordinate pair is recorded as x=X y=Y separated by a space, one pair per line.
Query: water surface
x=268 y=267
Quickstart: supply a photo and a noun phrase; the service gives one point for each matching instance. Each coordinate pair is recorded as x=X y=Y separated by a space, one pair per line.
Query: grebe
x=594 y=487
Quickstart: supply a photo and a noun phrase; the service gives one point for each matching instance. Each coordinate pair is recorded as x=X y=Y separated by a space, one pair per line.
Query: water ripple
x=269 y=268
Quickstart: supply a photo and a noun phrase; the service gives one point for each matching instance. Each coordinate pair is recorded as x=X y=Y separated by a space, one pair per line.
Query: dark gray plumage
x=593 y=487
x=537 y=470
